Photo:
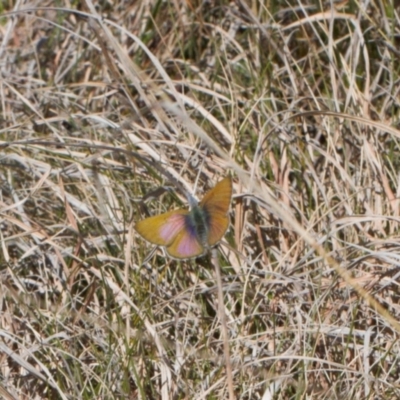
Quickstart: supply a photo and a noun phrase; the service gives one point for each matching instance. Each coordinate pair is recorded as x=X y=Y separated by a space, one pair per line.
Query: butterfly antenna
x=191 y=198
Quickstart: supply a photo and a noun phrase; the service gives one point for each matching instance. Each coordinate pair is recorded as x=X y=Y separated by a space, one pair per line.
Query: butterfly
x=188 y=233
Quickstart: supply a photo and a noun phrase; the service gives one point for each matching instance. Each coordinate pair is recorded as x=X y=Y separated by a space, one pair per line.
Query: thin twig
x=224 y=329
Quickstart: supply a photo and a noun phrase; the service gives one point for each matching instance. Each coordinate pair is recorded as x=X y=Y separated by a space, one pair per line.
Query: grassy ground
x=109 y=112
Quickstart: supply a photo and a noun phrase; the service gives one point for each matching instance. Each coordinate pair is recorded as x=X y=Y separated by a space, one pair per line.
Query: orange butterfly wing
x=185 y=245
x=170 y=230
x=216 y=204
x=162 y=229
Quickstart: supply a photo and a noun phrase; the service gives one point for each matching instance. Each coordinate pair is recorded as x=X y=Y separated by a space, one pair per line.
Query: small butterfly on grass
x=188 y=234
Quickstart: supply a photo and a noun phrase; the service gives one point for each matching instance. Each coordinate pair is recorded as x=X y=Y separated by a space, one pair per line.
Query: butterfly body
x=196 y=224
x=187 y=234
